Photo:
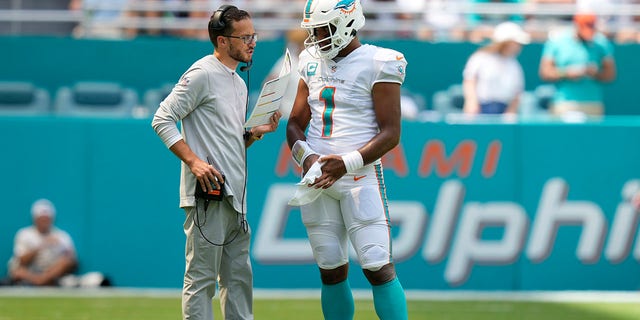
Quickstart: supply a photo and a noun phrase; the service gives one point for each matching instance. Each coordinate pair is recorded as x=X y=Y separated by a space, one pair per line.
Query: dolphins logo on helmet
x=342 y=18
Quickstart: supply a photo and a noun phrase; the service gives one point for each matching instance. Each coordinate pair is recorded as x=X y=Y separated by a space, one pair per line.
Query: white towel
x=305 y=194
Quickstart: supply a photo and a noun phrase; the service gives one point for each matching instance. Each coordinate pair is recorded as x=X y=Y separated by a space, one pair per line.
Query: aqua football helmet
x=342 y=18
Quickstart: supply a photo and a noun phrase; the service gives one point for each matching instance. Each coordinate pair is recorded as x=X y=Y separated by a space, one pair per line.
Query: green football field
x=159 y=308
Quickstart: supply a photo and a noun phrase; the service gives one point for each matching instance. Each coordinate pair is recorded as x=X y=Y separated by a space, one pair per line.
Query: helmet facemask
x=327 y=47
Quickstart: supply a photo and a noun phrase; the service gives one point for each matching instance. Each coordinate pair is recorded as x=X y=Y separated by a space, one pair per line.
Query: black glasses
x=246 y=39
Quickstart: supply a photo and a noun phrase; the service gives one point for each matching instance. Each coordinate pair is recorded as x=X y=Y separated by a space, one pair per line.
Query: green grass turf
x=102 y=308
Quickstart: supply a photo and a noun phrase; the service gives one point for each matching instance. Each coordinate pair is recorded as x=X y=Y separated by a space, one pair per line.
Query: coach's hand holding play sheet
x=270 y=99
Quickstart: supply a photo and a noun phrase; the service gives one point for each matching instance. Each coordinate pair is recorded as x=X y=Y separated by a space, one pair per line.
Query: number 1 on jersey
x=327 y=95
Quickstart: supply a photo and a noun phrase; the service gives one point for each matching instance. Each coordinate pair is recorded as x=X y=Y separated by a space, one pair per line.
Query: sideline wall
x=483 y=206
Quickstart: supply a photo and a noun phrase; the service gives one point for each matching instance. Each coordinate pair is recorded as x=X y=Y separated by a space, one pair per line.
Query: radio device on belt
x=216 y=194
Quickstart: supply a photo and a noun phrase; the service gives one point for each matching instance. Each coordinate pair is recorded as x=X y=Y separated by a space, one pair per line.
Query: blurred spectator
x=385 y=20
x=102 y=14
x=394 y=18
x=481 y=25
x=410 y=11
x=553 y=1
x=199 y=32
x=540 y=25
x=59 y=28
x=42 y=253
x=578 y=60
x=295 y=43
x=493 y=78
x=150 y=15
x=618 y=26
x=444 y=21
x=177 y=11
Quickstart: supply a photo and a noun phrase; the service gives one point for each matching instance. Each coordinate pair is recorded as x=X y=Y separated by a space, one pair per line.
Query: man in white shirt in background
x=42 y=253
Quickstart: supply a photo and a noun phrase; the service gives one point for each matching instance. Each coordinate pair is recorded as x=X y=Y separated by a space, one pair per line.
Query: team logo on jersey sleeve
x=400 y=70
x=184 y=81
x=312 y=67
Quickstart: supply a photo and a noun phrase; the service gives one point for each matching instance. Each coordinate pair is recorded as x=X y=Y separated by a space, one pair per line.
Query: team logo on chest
x=312 y=68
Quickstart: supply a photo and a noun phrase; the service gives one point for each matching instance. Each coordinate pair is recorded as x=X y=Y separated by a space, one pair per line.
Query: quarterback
x=345 y=117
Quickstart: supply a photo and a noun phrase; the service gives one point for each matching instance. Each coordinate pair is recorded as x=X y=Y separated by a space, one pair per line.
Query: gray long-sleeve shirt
x=210 y=100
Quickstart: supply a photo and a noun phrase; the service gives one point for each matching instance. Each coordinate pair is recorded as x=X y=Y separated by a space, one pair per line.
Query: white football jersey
x=342 y=115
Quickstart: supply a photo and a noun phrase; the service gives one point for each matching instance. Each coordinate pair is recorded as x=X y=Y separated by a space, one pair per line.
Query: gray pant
x=230 y=264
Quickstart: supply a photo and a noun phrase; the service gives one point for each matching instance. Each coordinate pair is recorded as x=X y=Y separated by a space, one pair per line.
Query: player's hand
x=308 y=162
x=206 y=175
x=332 y=170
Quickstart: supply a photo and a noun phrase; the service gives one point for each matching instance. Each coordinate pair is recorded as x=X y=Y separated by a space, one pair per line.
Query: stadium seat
x=411 y=104
x=528 y=104
x=153 y=97
x=544 y=95
x=449 y=101
x=23 y=98
x=102 y=99
x=457 y=96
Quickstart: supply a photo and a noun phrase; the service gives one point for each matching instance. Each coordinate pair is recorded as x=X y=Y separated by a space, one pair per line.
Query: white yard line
x=424 y=295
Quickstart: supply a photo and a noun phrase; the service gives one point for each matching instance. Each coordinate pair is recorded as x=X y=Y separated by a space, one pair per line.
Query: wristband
x=300 y=151
x=353 y=161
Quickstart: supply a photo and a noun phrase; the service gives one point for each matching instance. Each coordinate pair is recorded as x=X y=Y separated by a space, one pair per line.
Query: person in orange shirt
x=578 y=61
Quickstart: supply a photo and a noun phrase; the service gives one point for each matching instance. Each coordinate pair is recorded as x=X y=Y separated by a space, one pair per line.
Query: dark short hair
x=231 y=15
